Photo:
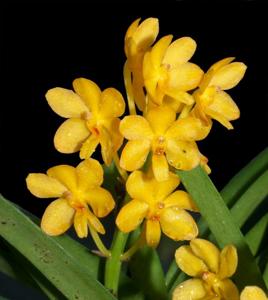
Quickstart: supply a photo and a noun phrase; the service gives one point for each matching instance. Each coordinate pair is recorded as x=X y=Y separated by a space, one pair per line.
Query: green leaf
x=45 y=285
x=255 y=236
x=79 y=253
x=231 y=193
x=113 y=263
x=146 y=271
x=240 y=182
x=251 y=199
x=265 y=275
x=46 y=255
x=173 y=271
x=235 y=188
x=262 y=259
x=24 y=272
x=221 y=223
x=10 y=268
x=13 y=289
x=127 y=290
x=172 y=274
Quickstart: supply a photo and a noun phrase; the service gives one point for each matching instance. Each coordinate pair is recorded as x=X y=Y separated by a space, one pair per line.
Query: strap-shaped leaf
x=147 y=272
x=265 y=275
x=10 y=267
x=220 y=222
x=46 y=255
x=17 y=290
x=251 y=199
x=256 y=234
x=231 y=194
x=240 y=183
x=16 y=266
x=243 y=179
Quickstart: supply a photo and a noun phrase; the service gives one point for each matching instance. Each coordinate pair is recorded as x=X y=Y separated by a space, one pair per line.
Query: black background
x=48 y=44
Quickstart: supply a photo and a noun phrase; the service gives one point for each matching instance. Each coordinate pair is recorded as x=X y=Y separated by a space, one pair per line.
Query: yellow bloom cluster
x=177 y=103
x=92 y=119
x=180 y=100
x=76 y=190
x=155 y=202
x=211 y=269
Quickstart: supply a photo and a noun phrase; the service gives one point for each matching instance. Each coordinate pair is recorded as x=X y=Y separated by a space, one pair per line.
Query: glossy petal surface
x=229 y=75
x=43 y=186
x=101 y=201
x=253 y=293
x=182 y=155
x=179 y=52
x=89 y=92
x=70 y=135
x=64 y=174
x=228 y=262
x=160 y=167
x=112 y=103
x=189 y=263
x=178 y=224
x=135 y=127
x=192 y=289
x=180 y=199
x=89 y=173
x=134 y=154
x=131 y=215
x=58 y=217
x=66 y=103
x=160 y=118
x=153 y=233
x=208 y=252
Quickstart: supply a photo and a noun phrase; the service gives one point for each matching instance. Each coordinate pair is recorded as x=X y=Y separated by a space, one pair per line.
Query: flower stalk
x=114 y=262
x=98 y=242
x=120 y=170
x=129 y=90
x=134 y=248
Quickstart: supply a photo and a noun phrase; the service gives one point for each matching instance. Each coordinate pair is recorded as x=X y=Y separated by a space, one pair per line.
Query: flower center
x=95 y=131
x=213 y=282
x=73 y=201
x=159 y=145
x=155 y=210
x=77 y=205
x=92 y=124
x=155 y=218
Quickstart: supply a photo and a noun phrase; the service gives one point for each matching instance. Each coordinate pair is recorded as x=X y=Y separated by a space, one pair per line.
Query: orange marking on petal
x=155 y=218
x=159 y=151
x=95 y=131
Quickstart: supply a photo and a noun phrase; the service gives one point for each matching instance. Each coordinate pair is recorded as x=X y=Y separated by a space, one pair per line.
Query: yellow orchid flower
x=160 y=206
x=166 y=70
x=138 y=39
x=253 y=293
x=92 y=119
x=211 y=269
x=171 y=141
x=77 y=189
x=212 y=100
